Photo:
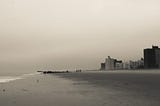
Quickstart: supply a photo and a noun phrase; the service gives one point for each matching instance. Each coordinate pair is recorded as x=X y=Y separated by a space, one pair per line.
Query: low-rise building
x=118 y=65
x=137 y=64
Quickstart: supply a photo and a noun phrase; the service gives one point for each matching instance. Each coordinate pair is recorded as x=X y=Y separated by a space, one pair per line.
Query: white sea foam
x=5 y=79
x=30 y=74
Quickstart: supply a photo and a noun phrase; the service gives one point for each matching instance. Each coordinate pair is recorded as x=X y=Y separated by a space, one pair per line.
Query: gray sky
x=75 y=33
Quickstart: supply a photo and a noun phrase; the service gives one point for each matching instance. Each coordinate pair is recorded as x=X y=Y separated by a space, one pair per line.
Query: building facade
x=139 y=64
x=102 y=66
x=113 y=64
x=152 y=58
x=109 y=63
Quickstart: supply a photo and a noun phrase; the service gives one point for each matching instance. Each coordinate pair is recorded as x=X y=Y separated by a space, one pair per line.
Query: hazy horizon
x=60 y=34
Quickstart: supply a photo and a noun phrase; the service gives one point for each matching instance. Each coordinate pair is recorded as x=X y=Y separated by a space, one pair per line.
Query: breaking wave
x=5 y=79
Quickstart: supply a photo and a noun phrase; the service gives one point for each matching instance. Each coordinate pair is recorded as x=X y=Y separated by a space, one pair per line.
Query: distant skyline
x=69 y=34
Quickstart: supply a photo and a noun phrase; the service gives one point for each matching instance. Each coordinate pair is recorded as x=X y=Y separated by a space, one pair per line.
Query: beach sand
x=83 y=89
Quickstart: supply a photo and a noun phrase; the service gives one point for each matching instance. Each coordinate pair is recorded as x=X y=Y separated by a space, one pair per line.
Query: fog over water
x=60 y=34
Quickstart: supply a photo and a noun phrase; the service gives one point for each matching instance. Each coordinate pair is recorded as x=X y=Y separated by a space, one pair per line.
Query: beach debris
x=4 y=90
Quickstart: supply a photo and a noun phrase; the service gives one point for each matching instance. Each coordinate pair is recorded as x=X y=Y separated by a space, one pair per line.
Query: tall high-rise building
x=113 y=64
x=109 y=63
x=152 y=58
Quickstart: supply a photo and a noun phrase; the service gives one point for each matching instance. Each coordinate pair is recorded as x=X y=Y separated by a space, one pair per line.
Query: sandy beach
x=83 y=89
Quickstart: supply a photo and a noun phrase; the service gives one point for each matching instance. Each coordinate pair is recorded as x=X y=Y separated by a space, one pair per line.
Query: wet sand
x=83 y=89
x=122 y=88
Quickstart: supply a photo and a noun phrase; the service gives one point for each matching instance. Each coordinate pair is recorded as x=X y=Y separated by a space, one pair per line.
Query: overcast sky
x=68 y=34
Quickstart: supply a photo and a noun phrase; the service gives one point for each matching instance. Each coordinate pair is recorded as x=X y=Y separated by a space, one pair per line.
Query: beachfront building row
x=151 y=61
x=114 y=64
x=139 y=64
